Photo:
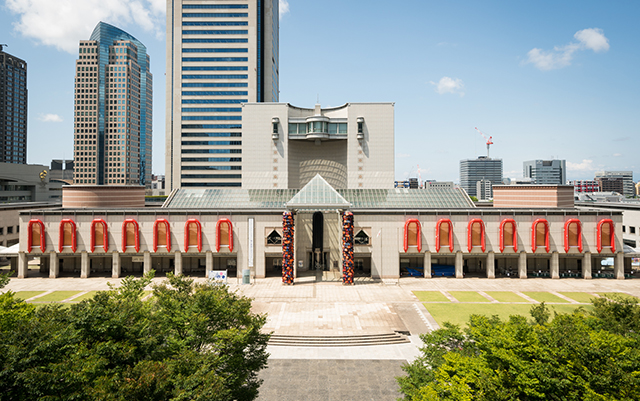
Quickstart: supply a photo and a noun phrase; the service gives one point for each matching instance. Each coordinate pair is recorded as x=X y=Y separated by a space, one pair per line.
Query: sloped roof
x=318 y=194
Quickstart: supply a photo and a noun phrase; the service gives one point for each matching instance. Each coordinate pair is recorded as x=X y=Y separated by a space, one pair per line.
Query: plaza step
x=337 y=341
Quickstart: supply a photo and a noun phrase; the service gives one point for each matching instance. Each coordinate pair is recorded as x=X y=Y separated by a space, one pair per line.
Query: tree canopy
x=586 y=355
x=187 y=342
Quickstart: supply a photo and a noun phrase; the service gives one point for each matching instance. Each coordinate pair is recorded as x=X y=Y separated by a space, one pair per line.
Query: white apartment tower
x=220 y=54
x=113 y=110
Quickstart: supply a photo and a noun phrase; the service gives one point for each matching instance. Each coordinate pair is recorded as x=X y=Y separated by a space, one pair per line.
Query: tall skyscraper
x=482 y=168
x=219 y=54
x=113 y=110
x=13 y=109
x=547 y=172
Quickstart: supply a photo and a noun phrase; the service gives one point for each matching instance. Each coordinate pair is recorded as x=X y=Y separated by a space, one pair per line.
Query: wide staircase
x=338 y=341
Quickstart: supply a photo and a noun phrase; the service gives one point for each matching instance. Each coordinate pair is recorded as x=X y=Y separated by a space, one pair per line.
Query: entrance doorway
x=318 y=257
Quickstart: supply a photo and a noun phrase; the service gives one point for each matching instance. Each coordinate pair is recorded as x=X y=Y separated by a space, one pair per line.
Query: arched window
x=130 y=235
x=35 y=236
x=67 y=237
x=161 y=235
x=361 y=238
x=99 y=235
x=572 y=235
x=444 y=234
x=412 y=237
x=475 y=234
x=274 y=238
x=508 y=235
x=540 y=234
x=192 y=235
x=606 y=235
x=224 y=235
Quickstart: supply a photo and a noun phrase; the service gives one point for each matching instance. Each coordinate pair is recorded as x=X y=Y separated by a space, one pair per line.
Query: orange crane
x=489 y=141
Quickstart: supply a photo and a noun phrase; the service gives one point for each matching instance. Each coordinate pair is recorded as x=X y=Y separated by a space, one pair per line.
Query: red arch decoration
x=599 y=235
x=199 y=234
x=566 y=234
x=515 y=234
x=534 y=235
x=438 y=224
x=43 y=245
x=124 y=234
x=105 y=235
x=222 y=221
x=61 y=234
x=406 y=234
x=155 y=234
x=483 y=243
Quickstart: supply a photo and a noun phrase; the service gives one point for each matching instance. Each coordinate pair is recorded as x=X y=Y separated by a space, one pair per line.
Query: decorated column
x=347 y=248
x=287 y=248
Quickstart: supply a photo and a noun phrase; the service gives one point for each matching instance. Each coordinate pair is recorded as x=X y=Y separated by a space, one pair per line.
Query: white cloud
x=449 y=85
x=50 y=118
x=617 y=154
x=63 y=24
x=561 y=56
x=584 y=166
x=283 y=6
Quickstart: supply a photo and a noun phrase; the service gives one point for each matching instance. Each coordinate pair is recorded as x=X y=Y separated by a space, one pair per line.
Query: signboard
x=218 y=276
x=137 y=259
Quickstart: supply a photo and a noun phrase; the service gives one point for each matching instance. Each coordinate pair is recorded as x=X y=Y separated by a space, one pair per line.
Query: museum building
x=317 y=201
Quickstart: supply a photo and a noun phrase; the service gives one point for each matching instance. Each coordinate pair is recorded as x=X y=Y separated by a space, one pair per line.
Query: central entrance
x=318 y=257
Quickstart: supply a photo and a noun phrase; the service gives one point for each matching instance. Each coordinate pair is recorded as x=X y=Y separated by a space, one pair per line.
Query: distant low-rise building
x=585 y=186
x=613 y=178
x=546 y=172
x=533 y=196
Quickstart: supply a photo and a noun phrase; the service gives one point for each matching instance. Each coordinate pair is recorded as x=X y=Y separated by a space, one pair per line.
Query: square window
x=632 y=230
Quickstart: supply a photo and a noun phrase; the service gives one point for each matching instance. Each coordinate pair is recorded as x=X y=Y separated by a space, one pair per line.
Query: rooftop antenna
x=3 y=44
x=318 y=98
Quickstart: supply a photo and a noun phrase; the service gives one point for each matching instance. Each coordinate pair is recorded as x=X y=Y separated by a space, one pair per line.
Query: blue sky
x=545 y=79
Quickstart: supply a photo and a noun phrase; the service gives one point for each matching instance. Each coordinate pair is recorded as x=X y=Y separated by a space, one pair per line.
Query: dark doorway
x=317 y=241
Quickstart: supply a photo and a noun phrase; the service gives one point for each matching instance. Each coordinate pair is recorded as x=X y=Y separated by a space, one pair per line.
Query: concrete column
x=54 y=265
x=14 y=264
x=618 y=266
x=586 y=266
x=459 y=265
x=522 y=265
x=427 y=264
x=115 y=265
x=491 y=265
x=23 y=265
x=146 y=262
x=208 y=263
x=178 y=264
x=555 y=265
x=84 y=264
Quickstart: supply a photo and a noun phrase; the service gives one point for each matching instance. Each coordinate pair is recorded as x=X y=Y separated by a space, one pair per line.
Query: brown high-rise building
x=113 y=110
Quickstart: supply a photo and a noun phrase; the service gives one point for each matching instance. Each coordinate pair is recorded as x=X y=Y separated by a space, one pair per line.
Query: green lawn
x=468 y=296
x=505 y=296
x=543 y=296
x=82 y=297
x=56 y=296
x=459 y=313
x=583 y=297
x=619 y=293
x=430 y=296
x=27 y=294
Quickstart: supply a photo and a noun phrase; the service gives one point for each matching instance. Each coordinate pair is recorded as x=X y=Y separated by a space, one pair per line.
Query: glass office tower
x=13 y=109
x=113 y=110
x=220 y=54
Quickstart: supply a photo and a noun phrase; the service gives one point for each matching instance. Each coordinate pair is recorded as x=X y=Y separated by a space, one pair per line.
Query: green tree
x=579 y=356
x=187 y=342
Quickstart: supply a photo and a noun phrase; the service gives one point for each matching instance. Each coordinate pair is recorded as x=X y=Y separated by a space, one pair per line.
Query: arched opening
x=130 y=235
x=475 y=235
x=36 y=235
x=193 y=235
x=606 y=236
x=572 y=235
x=508 y=236
x=161 y=235
x=224 y=235
x=67 y=238
x=99 y=235
x=412 y=237
x=540 y=234
x=444 y=235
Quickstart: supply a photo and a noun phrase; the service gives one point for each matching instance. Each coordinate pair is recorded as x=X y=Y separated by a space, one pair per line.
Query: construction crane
x=489 y=141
